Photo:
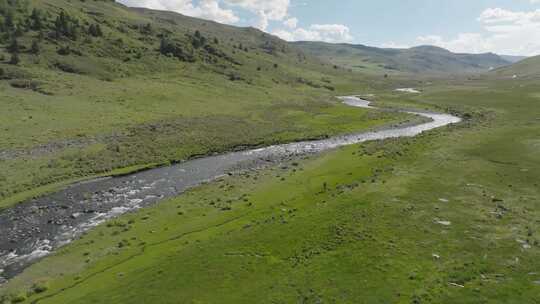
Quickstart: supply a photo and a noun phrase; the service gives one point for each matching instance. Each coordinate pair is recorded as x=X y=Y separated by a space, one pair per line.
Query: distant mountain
x=513 y=59
x=421 y=59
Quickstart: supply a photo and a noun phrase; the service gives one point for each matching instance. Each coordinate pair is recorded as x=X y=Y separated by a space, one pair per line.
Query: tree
x=164 y=48
x=14 y=59
x=8 y=20
x=35 y=49
x=14 y=46
x=67 y=26
x=198 y=40
x=36 y=22
x=95 y=30
x=147 y=29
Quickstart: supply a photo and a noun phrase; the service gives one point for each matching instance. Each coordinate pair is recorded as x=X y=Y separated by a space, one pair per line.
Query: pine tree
x=36 y=22
x=35 y=49
x=14 y=46
x=14 y=59
x=8 y=21
x=164 y=46
x=147 y=29
x=95 y=30
x=66 y=26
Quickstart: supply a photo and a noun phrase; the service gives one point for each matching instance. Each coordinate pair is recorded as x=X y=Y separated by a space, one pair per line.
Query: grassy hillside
x=91 y=87
x=512 y=59
x=422 y=59
x=447 y=217
x=528 y=68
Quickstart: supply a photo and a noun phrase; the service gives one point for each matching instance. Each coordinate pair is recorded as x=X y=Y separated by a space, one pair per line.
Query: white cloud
x=317 y=32
x=264 y=11
x=505 y=32
x=273 y=9
x=291 y=23
x=207 y=9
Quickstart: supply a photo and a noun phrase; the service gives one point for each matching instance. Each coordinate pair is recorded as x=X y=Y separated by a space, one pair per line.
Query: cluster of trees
x=66 y=26
x=198 y=40
x=183 y=51
x=16 y=19
x=176 y=49
x=69 y=27
x=95 y=30
x=10 y=22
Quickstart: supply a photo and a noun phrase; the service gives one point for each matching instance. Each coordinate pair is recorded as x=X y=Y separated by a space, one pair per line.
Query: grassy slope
x=125 y=106
x=527 y=68
x=424 y=59
x=369 y=236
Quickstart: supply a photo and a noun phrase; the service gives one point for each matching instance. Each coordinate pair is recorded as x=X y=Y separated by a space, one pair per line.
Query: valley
x=160 y=158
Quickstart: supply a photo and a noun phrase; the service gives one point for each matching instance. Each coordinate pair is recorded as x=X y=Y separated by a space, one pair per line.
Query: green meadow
x=450 y=216
x=87 y=105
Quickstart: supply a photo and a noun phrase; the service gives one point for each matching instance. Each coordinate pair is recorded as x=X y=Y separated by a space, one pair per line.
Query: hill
x=422 y=59
x=513 y=59
x=527 y=68
x=88 y=88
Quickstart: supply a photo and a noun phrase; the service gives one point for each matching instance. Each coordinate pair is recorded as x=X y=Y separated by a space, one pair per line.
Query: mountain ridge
x=423 y=58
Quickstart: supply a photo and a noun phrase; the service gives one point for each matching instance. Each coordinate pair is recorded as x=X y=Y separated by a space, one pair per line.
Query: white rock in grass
x=408 y=90
x=444 y=223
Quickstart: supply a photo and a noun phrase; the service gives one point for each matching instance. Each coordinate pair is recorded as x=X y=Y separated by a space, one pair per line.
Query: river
x=34 y=229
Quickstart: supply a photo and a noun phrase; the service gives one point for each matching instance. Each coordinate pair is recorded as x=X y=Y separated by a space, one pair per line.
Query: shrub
x=25 y=84
x=40 y=287
x=18 y=298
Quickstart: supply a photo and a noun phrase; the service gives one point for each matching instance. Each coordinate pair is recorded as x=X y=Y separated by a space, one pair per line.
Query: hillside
x=91 y=88
x=527 y=68
x=422 y=59
x=109 y=41
x=512 y=59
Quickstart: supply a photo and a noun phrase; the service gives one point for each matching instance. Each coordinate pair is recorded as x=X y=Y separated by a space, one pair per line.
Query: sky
x=508 y=27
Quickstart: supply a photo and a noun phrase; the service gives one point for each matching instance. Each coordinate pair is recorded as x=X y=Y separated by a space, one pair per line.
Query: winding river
x=33 y=229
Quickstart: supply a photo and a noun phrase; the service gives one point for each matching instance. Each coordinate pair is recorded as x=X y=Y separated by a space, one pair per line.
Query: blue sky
x=476 y=26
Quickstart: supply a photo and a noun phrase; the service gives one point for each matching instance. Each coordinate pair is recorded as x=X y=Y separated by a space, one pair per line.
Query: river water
x=34 y=229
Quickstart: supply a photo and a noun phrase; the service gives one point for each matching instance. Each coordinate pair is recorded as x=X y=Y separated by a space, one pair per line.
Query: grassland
x=448 y=217
x=116 y=102
x=87 y=132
